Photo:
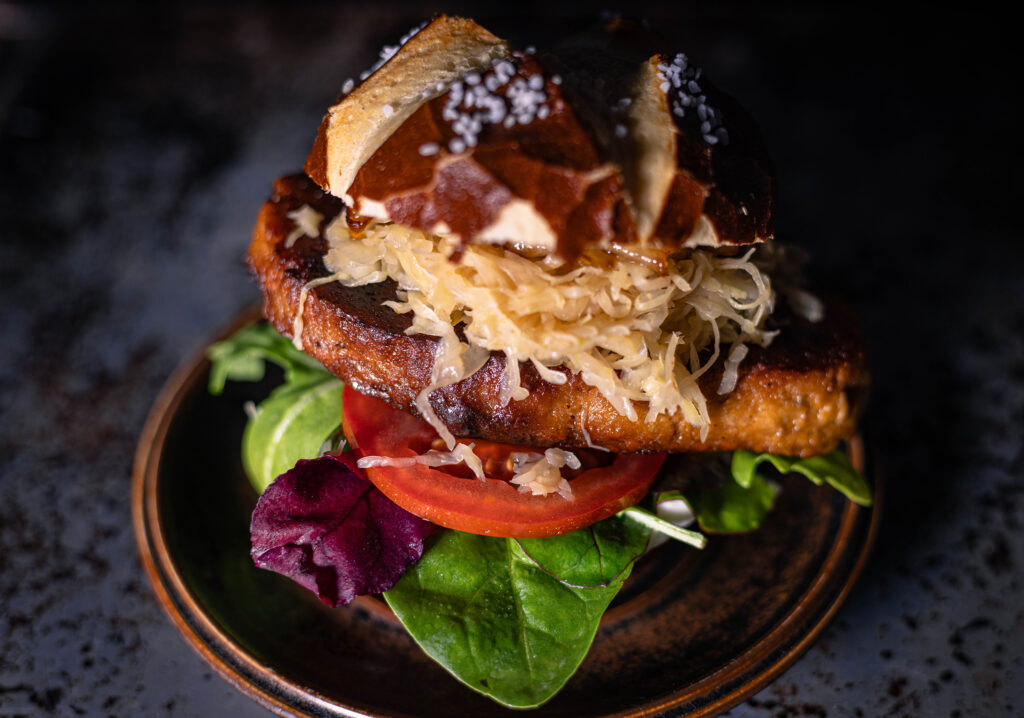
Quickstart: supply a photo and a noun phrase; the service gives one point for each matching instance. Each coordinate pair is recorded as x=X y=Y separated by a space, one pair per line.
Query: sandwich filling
x=641 y=330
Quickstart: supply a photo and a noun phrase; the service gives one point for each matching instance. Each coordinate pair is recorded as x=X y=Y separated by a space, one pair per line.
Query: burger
x=545 y=289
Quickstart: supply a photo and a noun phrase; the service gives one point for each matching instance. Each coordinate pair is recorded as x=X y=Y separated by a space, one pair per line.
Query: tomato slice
x=491 y=506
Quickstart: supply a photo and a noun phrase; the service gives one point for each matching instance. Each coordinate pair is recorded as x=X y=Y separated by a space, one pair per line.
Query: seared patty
x=799 y=396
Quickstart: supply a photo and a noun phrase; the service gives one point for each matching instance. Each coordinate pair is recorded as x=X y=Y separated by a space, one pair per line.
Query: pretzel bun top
x=607 y=142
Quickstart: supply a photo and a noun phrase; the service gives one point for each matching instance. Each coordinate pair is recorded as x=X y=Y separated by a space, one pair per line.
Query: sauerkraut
x=641 y=334
x=535 y=473
x=541 y=474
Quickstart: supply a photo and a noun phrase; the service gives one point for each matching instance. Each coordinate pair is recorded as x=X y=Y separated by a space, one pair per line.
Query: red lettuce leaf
x=329 y=529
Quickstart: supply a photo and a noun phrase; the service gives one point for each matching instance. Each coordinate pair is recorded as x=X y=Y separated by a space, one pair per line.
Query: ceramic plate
x=692 y=632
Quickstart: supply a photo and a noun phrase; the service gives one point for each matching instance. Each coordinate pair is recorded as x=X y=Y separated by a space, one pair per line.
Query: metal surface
x=138 y=144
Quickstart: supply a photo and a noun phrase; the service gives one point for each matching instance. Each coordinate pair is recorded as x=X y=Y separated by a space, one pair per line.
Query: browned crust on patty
x=800 y=396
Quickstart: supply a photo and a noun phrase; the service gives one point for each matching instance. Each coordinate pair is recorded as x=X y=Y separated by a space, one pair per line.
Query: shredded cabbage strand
x=633 y=331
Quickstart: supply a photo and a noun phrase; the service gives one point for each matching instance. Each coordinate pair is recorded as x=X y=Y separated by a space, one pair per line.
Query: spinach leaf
x=833 y=468
x=243 y=357
x=487 y=612
x=593 y=556
x=290 y=424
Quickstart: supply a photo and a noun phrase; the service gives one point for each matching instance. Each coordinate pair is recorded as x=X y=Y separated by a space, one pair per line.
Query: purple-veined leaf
x=328 y=528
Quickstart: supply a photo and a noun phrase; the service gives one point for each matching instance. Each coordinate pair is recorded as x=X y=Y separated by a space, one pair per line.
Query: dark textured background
x=136 y=146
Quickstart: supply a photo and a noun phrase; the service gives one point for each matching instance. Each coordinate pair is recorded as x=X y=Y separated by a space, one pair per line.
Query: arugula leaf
x=717 y=502
x=593 y=556
x=295 y=420
x=290 y=424
x=243 y=357
x=329 y=529
x=833 y=468
x=725 y=506
x=497 y=621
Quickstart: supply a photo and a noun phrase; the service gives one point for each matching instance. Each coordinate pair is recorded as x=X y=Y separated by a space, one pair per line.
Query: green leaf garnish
x=295 y=420
x=593 y=556
x=718 y=503
x=725 y=506
x=243 y=357
x=291 y=424
x=833 y=468
x=655 y=522
x=488 y=613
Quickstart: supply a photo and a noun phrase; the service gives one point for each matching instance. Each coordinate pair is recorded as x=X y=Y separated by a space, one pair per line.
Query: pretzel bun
x=607 y=142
